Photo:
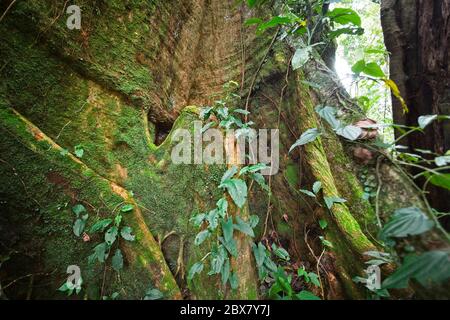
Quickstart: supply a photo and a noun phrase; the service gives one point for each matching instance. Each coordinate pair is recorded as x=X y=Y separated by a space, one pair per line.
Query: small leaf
x=259 y=251
x=201 y=237
x=153 y=294
x=330 y=201
x=442 y=160
x=359 y=66
x=111 y=235
x=100 y=225
x=79 y=151
x=244 y=227
x=329 y=115
x=306 y=295
x=196 y=268
x=308 y=193
x=301 y=57
x=317 y=186
x=424 y=121
x=78 y=209
x=227 y=229
x=222 y=207
x=237 y=188
x=308 y=136
x=117 y=260
x=314 y=279
x=100 y=253
x=234 y=280
x=350 y=132
x=374 y=70
x=127 y=208
x=345 y=16
x=323 y=223
x=229 y=173
x=280 y=252
x=226 y=268
x=64 y=152
x=125 y=232
x=78 y=227
x=253 y=221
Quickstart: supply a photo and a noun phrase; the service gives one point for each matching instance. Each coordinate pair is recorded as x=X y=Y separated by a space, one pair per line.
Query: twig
x=7 y=9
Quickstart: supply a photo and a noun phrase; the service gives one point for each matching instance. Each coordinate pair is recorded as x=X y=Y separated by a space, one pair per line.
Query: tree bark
x=417 y=35
x=119 y=87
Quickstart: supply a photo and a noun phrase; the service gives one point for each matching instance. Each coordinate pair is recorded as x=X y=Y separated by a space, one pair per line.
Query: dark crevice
x=162 y=130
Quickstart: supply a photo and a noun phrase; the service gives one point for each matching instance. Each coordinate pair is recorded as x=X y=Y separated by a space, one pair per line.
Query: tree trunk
x=417 y=34
x=119 y=88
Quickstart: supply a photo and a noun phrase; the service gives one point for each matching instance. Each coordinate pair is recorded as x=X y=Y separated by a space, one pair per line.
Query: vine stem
x=259 y=69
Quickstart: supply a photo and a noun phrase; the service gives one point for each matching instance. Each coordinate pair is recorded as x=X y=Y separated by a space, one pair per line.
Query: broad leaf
x=301 y=57
x=127 y=208
x=227 y=229
x=237 y=189
x=125 y=232
x=406 y=221
x=229 y=173
x=350 y=132
x=196 y=268
x=111 y=235
x=117 y=260
x=78 y=209
x=153 y=294
x=329 y=115
x=306 y=295
x=244 y=227
x=330 y=201
x=317 y=186
x=429 y=268
x=308 y=136
x=201 y=237
x=345 y=16
x=100 y=225
x=78 y=227
x=424 y=121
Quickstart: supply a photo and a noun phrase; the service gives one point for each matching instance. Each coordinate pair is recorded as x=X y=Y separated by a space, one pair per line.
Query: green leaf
x=314 y=279
x=244 y=227
x=253 y=168
x=111 y=235
x=308 y=193
x=222 y=207
x=100 y=225
x=205 y=113
x=125 y=232
x=325 y=242
x=198 y=219
x=259 y=178
x=344 y=16
x=306 y=295
x=330 y=201
x=78 y=209
x=308 y=136
x=127 y=208
x=372 y=69
x=259 y=251
x=213 y=219
x=100 y=253
x=237 y=188
x=234 y=280
x=117 y=260
x=442 y=160
x=226 y=268
x=201 y=237
x=404 y=222
x=229 y=173
x=323 y=223
x=64 y=152
x=241 y=111
x=252 y=21
x=329 y=115
x=359 y=66
x=79 y=151
x=153 y=294
x=280 y=252
x=196 y=268
x=230 y=246
x=78 y=227
x=424 y=121
x=118 y=220
x=350 y=132
x=227 y=229
x=275 y=21
x=429 y=268
x=317 y=186
x=301 y=57
x=253 y=221
x=441 y=180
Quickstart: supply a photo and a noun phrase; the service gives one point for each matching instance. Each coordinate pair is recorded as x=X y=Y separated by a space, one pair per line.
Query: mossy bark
x=119 y=88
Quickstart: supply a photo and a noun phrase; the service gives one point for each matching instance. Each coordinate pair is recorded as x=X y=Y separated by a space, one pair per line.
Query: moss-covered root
x=344 y=224
x=144 y=255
